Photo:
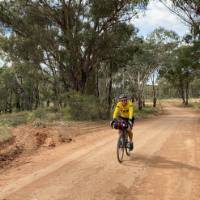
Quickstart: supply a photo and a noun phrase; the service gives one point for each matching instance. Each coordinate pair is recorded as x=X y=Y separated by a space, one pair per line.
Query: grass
x=14 y=119
x=195 y=103
x=5 y=134
x=148 y=110
x=41 y=116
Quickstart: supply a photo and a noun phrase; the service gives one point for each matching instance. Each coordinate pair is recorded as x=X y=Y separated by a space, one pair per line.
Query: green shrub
x=48 y=114
x=5 y=133
x=147 y=111
x=14 y=119
x=195 y=104
x=56 y=116
x=83 y=107
x=39 y=123
x=40 y=113
x=51 y=109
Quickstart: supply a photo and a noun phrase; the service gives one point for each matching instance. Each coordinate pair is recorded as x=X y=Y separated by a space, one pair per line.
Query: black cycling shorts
x=127 y=119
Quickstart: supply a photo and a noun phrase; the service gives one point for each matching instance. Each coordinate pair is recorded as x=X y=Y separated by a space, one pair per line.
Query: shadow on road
x=158 y=162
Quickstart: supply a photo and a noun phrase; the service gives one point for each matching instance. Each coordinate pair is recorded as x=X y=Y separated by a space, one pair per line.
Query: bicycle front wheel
x=128 y=153
x=120 y=148
x=126 y=143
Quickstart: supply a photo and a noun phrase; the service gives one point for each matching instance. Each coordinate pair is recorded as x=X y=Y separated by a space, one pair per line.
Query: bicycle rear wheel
x=120 y=148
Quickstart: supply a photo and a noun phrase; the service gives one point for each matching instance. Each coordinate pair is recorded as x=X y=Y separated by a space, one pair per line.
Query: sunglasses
x=124 y=100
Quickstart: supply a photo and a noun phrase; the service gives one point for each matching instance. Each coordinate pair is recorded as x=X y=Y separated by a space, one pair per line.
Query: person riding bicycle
x=125 y=110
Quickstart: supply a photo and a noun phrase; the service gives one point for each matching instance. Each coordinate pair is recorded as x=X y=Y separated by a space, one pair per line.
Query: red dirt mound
x=28 y=139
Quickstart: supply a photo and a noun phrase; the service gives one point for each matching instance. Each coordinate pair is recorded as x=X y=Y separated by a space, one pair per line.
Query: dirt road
x=165 y=165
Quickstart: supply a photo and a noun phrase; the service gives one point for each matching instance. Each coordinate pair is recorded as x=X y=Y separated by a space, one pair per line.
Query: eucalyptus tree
x=185 y=59
x=7 y=88
x=162 y=42
x=115 y=60
x=139 y=69
x=181 y=70
x=70 y=37
x=188 y=11
x=150 y=56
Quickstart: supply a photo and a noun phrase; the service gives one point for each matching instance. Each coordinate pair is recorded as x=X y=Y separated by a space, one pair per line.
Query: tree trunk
x=110 y=90
x=186 y=93
x=140 y=105
x=17 y=100
x=55 y=100
x=37 y=97
x=154 y=102
x=82 y=82
x=10 y=102
x=182 y=91
x=143 y=102
x=183 y=95
x=48 y=102
x=139 y=93
x=154 y=92
x=97 y=83
x=55 y=84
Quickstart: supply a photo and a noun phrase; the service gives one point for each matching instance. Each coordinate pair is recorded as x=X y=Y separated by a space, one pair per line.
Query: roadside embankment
x=26 y=133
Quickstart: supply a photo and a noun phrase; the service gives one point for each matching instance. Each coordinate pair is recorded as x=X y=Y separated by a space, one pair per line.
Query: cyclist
x=125 y=110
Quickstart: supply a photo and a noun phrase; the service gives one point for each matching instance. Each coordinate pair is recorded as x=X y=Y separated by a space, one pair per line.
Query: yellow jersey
x=126 y=111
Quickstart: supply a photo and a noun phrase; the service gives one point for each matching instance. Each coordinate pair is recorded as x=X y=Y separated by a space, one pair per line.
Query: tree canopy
x=57 y=51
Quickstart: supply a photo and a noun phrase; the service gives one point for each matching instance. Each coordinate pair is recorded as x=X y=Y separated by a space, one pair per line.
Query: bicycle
x=123 y=140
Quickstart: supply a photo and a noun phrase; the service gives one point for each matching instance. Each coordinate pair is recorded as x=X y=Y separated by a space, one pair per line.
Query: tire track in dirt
x=91 y=171
x=174 y=171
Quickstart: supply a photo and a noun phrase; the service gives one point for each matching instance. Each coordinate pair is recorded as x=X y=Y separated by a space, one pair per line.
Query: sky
x=158 y=15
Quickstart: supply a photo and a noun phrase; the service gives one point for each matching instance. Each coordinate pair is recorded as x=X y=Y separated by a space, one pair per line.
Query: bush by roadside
x=38 y=117
x=195 y=103
x=149 y=111
x=77 y=107
x=83 y=107
x=14 y=119
x=5 y=134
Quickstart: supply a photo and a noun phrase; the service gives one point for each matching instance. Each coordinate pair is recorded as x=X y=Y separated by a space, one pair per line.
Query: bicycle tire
x=128 y=153
x=126 y=148
x=120 y=148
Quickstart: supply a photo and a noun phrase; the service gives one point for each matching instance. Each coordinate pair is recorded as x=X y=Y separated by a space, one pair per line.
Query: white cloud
x=158 y=15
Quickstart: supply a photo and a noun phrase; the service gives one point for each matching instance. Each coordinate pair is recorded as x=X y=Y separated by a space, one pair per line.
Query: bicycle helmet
x=123 y=96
